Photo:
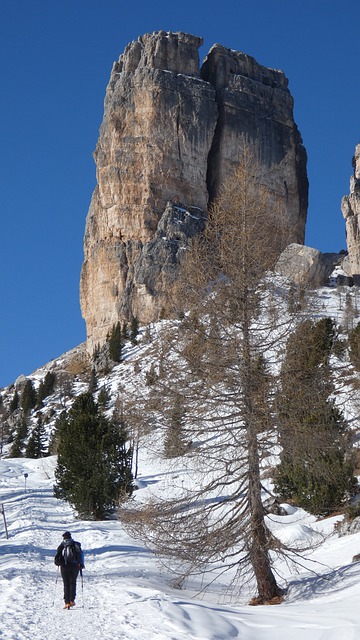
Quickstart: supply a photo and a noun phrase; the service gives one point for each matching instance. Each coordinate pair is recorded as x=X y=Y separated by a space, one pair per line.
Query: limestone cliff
x=171 y=133
x=254 y=104
x=350 y=207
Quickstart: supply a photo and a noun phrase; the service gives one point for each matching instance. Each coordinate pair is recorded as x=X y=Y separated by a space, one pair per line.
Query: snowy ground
x=124 y=595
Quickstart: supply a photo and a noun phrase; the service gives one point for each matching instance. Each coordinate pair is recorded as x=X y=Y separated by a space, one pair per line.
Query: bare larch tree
x=215 y=371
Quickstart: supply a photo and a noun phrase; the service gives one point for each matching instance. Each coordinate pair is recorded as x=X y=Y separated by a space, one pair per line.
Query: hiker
x=70 y=558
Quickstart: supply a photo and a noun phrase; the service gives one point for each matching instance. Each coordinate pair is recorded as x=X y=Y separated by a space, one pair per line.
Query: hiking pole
x=5 y=525
x=57 y=576
x=82 y=588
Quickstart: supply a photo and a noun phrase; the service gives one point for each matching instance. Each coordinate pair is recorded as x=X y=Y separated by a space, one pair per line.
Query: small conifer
x=46 y=387
x=134 y=330
x=14 y=404
x=115 y=343
x=36 y=447
x=28 y=397
x=316 y=467
x=94 y=462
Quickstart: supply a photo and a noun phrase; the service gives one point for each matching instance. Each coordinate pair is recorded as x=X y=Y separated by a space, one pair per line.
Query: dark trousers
x=69 y=574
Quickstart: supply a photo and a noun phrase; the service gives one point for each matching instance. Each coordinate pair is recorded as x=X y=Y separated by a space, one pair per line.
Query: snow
x=124 y=593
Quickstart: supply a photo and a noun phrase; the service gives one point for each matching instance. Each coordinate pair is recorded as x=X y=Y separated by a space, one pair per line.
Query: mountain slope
x=124 y=594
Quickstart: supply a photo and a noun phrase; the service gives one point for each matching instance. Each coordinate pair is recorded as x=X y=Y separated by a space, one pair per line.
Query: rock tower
x=171 y=133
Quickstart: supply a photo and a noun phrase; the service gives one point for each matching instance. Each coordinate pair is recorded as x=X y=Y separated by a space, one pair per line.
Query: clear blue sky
x=56 y=57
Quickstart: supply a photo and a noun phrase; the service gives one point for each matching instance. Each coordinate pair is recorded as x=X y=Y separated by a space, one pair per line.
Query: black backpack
x=70 y=553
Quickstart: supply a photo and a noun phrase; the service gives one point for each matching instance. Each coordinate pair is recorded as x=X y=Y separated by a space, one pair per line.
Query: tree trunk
x=259 y=534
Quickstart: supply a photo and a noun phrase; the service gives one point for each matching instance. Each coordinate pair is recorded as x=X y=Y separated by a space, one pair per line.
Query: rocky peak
x=221 y=65
x=175 y=52
x=170 y=135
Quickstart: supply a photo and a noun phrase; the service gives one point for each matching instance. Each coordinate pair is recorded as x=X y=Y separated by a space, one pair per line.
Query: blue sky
x=56 y=57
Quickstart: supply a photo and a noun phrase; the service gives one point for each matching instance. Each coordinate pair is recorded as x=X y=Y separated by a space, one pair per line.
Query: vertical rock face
x=170 y=135
x=255 y=105
x=350 y=207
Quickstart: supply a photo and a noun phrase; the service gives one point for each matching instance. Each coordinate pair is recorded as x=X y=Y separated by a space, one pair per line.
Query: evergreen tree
x=18 y=442
x=317 y=470
x=46 y=387
x=14 y=404
x=55 y=436
x=103 y=398
x=115 y=343
x=316 y=467
x=28 y=397
x=93 y=381
x=22 y=429
x=36 y=447
x=174 y=444
x=94 y=463
x=125 y=331
x=16 y=448
x=134 y=330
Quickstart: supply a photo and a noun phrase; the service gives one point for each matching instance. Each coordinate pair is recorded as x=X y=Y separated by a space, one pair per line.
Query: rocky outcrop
x=170 y=135
x=350 y=207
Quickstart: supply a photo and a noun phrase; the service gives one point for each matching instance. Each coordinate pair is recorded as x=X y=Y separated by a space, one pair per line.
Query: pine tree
x=14 y=404
x=174 y=443
x=103 y=398
x=28 y=397
x=115 y=343
x=55 y=436
x=93 y=381
x=94 y=462
x=134 y=330
x=316 y=467
x=125 y=331
x=22 y=428
x=46 y=387
x=20 y=435
x=16 y=448
x=36 y=447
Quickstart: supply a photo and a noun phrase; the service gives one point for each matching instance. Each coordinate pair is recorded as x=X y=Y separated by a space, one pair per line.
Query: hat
x=67 y=535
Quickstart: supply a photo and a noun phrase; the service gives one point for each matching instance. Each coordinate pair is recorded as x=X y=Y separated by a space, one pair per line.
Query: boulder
x=304 y=265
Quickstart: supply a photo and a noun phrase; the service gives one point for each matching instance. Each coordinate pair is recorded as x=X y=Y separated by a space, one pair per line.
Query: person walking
x=70 y=558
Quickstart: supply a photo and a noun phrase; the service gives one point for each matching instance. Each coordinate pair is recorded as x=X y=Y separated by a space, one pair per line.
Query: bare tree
x=231 y=321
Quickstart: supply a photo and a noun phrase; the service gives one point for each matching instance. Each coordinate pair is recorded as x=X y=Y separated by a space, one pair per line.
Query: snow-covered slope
x=124 y=593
